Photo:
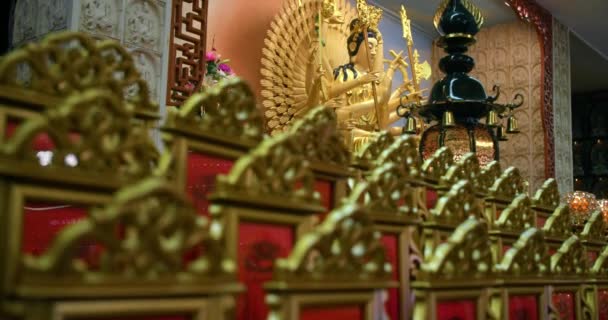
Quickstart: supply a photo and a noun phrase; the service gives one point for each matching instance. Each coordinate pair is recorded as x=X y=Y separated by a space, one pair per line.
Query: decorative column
x=141 y=26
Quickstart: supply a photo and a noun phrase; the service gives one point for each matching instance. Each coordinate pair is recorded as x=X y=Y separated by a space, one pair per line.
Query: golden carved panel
x=518 y=216
x=559 y=224
x=529 y=256
x=403 y=152
x=372 y=150
x=570 y=259
x=600 y=267
x=456 y=205
x=547 y=197
x=466 y=168
x=508 y=186
x=438 y=164
x=489 y=174
x=595 y=228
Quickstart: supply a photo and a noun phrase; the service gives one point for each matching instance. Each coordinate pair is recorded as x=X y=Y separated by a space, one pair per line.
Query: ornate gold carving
x=457 y=205
x=68 y=62
x=489 y=174
x=226 y=110
x=159 y=225
x=595 y=228
x=345 y=247
x=403 y=152
x=465 y=255
x=467 y=168
x=559 y=224
x=508 y=186
x=322 y=141
x=275 y=168
x=547 y=197
x=529 y=256
x=438 y=164
x=570 y=259
x=91 y=132
x=600 y=267
x=384 y=190
x=518 y=216
x=372 y=150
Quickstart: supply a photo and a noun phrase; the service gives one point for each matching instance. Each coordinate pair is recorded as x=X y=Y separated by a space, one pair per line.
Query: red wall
x=239 y=27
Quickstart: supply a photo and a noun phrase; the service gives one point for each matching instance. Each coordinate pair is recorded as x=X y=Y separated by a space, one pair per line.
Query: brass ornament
x=108 y=143
x=466 y=168
x=559 y=224
x=529 y=257
x=518 y=216
x=466 y=255
x=67 y=63
x=489 y=174
x=343 y=248
x=570 y=259
x=438 y=164
x=226 y=112
x=447 y=120
x=547 y=197
x=372 y=150
x=456 y=205
x=512 y=126
x=594 y=229
x=160 y=226
x=508 y=186
x=492 y=120
x=403 y=152
x=320 y=136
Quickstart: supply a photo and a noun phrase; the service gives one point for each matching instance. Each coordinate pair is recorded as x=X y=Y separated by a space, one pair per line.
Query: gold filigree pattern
x=90 y=132
x=159 y=227
x=322 y=141
x=559 y=224
x=372 y=150
x=529 y=256
x=518 y=216
x=600 y=267
x=68 y=62
x=465 y=255
x=457 y=205
x=489 y=174
x=227 y=110
x=276 y=169
x=547 y=197
x=595 y=228
x=403 y=152
x=384 y=190
x=508 y=186
x=570 y=259
x=438 y=164
x=467 y=168
x=345 y=247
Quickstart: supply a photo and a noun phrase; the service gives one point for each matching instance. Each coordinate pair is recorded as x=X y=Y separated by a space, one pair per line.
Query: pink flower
x=211 y=56
x=225 y=68
x=189 y=86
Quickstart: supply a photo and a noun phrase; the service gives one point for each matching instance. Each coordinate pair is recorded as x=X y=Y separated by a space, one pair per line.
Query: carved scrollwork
x=403 y=152
x=89 y=132
x=438 y=164
x=600 y=267
x=508 y=186
x=68 y=62
x=375 y=147
x=457 y=205
x=489 y=174
x=466 y=168
x=529 y=256
x=559 y=224
x=275 y=168
x=595 y=228
x=465 y=255
x=547 y=197
x=227 y=110
x=159 y=226
x=570 y=259
x=345 y=247
x=322 y=140
x=518 y=216
x=384 y=190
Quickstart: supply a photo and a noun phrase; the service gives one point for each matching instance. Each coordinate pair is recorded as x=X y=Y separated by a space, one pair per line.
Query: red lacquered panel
x=602 y=297
x=457 y=309
x=540 y=221
x=325 y=188
x=523 y=308
x=259 y=246
x=431 y=198
x=202 y=171
x=43 y=221
x=332 y=313
x=391 y=247
x=564 y=303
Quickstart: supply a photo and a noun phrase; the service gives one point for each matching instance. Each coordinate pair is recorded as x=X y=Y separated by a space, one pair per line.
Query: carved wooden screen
x=187 y=49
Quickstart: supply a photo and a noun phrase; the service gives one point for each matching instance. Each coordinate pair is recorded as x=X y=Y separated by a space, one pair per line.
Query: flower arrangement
x=217 y=69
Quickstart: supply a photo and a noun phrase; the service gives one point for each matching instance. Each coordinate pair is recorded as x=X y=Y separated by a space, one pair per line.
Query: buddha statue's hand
x=369 y=77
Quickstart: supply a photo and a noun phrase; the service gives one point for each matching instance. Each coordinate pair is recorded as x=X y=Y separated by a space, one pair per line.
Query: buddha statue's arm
x=338 y=88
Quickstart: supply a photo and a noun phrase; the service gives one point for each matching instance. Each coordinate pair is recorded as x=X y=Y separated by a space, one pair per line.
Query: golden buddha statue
x=314 y=69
